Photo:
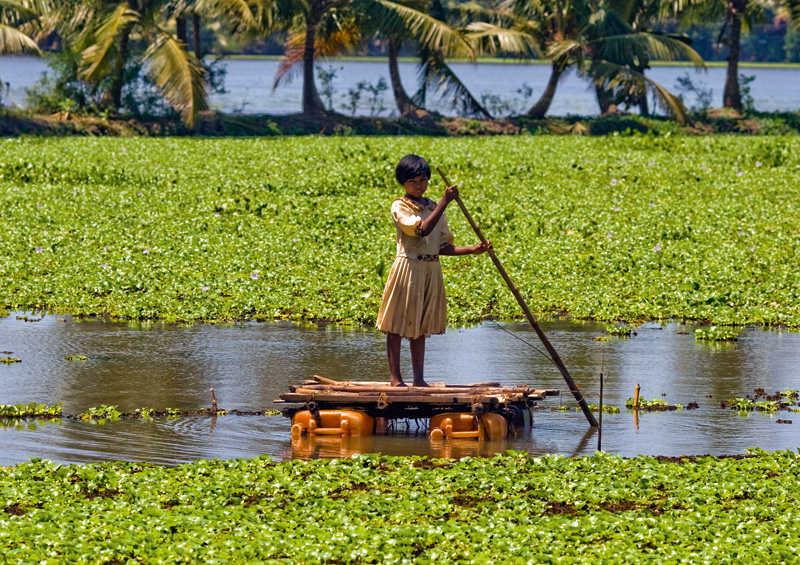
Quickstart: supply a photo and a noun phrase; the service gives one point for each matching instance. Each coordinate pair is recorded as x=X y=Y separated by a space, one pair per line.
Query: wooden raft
x=380 y=399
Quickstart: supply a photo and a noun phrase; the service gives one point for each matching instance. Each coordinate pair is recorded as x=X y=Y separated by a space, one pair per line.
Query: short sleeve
x=405 y=218
x=445 y=237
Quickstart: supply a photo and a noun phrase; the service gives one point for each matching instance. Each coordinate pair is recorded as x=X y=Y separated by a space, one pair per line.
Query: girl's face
x=417 y=186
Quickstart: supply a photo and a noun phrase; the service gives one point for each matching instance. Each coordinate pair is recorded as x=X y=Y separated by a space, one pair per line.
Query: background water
x=248 y=85
x=132 y=365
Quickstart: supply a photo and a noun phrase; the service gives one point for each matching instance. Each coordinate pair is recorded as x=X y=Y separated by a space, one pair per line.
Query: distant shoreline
x=479 y=60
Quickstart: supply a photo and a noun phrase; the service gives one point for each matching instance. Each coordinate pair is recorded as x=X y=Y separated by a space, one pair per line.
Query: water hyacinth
x=201 y=228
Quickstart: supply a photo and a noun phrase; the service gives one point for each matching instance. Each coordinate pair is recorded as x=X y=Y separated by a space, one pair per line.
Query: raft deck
x=381 y=400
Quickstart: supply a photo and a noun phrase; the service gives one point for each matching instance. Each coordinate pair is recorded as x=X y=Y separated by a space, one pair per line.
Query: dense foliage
x=380 y=509
x=617 y=228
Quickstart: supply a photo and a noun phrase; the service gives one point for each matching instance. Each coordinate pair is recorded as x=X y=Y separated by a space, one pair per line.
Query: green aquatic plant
x=606 y=408
x=767 y=406
x=76 y=358
x=619 y=331
x=100 y=414
x=715 y=333
x=32 y=410
x=176 y=229
x=9 y=360
x=595 y=509
x=743 y=404
x=144 y=413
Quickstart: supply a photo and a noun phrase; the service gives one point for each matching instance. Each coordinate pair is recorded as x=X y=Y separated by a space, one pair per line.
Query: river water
x=133 y=365
x=248 y=85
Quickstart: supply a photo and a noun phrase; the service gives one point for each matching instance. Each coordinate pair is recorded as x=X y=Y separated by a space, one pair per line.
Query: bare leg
x=393 y=342
x=418 y=360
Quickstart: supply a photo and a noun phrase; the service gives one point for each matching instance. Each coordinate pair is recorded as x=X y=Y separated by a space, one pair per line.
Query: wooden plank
x=439 y=399
x=323 y=380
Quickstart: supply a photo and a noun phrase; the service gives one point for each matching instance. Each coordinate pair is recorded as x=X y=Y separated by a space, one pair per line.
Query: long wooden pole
x=546 y=342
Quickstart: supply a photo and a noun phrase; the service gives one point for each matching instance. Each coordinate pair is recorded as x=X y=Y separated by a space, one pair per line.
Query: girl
x=414 y=304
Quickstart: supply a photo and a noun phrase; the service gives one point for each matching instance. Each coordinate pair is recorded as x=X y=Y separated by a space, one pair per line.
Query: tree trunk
x=603 y=98
x=543 y=104
x=644 y=110
x=312 y=103
x=196 y=40
x=731 y=96
x=404 y=103
x=180 y=29
x=112 y=98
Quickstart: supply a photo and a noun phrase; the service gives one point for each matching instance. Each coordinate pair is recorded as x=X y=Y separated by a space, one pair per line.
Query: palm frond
x=792 y=8
x=490 y=38
x=429 y=32
x=645 y=45
x=339 y=42
x=566 y=49
x=98 y=55
x=435 y=74
x=178 y=75
x=612 y=75
x=13 y=41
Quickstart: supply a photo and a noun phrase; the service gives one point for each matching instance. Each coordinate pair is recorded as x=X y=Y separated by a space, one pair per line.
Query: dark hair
x=411 y=166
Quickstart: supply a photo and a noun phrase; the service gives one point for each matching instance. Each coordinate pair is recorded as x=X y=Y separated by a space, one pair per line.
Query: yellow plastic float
x=489 y=426
x=333 y=423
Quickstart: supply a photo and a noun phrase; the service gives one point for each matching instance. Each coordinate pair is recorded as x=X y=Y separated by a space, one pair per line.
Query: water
x=249 y=85
x=132 y=365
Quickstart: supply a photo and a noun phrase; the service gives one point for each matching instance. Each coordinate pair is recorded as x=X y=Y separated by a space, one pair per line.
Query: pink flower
x=254 y=276
x=657 y=247
x=610 y=235
x=740 y=173
x=758 y=163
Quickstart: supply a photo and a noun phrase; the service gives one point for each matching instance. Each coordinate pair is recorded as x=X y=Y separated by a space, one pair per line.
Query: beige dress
x=414 y=302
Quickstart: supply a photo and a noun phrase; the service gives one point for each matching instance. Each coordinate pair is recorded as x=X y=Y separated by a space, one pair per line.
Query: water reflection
x=132 y=365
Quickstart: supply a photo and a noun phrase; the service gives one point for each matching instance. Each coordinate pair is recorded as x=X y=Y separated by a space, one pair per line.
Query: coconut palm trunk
x=603 y=98
x=731 y=96
x=312 y=103
x=198 y=45
x=404 y=103
x=180 y=28
x=112 y=98
x=543 y=104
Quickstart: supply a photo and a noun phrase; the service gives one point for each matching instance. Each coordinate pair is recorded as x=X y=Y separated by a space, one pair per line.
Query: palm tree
x=18 y=21
x=111 y=34
x=589 y=35
x=345 y=26
x=737 y=16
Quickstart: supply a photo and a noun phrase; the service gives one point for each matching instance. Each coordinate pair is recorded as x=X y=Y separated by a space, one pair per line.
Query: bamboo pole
x=546 y=342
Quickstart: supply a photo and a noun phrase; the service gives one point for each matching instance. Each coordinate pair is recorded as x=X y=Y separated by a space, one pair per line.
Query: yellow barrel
x=333 y=423
x=489 y=426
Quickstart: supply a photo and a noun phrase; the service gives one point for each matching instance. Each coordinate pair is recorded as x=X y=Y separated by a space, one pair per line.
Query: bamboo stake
x=546 y=342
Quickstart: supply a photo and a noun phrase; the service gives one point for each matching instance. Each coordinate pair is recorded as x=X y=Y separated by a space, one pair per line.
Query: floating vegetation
x=620 y=331
x=606 y=408
x=780 y=400
x=76 y=358
x=105 y=413
x=655 y=405
x=715 y=333
x=90 y=226
x=594 y=509
x=9 y=360
x=32 y=410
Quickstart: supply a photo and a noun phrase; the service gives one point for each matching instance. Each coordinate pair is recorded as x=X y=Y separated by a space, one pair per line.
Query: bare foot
x=420 y=383
x=398 y=381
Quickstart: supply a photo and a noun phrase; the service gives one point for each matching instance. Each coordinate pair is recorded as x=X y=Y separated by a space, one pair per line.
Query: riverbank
x=380 y=509
x=217 y=124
